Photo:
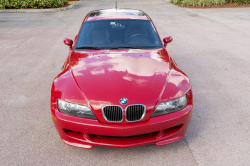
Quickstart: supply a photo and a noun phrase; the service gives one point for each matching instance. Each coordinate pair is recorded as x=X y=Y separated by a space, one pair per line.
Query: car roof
x=107 y=14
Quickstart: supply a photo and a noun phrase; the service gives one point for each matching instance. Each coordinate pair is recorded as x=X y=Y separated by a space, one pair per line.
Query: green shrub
x=239 y=1
x=202 y=3
x=19 y=4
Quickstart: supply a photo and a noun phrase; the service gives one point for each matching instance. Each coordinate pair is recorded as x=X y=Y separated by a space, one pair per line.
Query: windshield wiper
x=124 y=47
x=89 y=47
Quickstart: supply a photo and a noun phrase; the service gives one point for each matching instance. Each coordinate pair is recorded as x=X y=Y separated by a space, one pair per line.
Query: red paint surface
x=96 y=78
x=68 y=42
x=112 y=17
x=167 y=40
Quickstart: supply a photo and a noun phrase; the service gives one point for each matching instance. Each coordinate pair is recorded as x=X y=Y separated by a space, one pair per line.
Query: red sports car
x=119 y=87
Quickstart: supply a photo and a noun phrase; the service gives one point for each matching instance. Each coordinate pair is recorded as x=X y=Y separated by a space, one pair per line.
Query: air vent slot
x=113 y=113
x=135 y=112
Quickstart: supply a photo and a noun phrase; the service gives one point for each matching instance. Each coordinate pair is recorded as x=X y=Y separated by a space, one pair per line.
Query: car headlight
x=75 y=109
x=170 y=106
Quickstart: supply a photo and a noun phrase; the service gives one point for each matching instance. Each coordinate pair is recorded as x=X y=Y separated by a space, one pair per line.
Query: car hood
x=106 y=76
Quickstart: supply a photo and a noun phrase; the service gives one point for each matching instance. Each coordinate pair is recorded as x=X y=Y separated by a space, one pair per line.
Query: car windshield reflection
x=118 y=34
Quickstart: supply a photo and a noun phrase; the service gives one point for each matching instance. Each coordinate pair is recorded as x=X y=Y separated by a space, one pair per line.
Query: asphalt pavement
x=212 y=46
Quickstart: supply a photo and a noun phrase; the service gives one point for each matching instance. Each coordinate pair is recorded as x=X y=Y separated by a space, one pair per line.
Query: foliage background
x=202 y=3
x=19 y=4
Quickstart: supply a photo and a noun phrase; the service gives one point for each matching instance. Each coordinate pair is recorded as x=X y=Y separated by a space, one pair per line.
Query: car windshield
x=118 y=34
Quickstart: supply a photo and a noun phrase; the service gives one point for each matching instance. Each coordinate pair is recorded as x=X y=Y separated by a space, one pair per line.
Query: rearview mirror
x=68 y=42
x=167 y=40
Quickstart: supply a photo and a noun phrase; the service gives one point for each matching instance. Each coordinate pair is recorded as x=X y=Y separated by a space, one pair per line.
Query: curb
x=38 y=10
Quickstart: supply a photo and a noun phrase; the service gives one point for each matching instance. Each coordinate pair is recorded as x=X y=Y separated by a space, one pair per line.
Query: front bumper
x=86 y=133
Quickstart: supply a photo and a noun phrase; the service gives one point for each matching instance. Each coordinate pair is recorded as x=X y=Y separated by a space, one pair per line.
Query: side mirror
x=167 y=40
x=68 y=42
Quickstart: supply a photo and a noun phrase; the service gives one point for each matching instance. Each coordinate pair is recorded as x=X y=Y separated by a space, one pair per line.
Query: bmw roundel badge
x=123 y=101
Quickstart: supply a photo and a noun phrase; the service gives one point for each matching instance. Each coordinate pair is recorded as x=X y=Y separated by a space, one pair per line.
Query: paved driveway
x=211 y=45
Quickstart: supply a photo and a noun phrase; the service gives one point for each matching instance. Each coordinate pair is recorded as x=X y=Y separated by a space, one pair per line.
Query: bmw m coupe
x=119 y=87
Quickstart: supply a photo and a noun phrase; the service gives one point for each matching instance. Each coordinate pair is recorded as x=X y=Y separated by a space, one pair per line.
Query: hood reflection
x=144 y=65
x=113 y=75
